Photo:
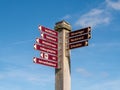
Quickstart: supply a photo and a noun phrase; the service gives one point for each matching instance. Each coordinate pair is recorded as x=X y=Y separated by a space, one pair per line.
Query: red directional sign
x=79 y=38
x=48 y=56
x=47 y=43
x=80 y=31
x=45 y=62
x=78 y=44
x=49 y=38
x=45 y=49
x=47 y=30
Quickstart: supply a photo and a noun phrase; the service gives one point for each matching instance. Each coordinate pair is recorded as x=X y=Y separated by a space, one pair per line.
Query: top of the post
x=62 y=25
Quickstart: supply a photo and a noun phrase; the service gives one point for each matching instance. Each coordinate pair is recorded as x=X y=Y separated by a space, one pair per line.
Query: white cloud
x=26 y=76
x=98 y=16
x=83 y=72
x=101 y=15
x=1 y=76
x=106 y=45
x=107 y=85
x=113 y=4
x=93 y=18
x=32 y=75
x=104 y=74
x=22 y=42
x=66 y=17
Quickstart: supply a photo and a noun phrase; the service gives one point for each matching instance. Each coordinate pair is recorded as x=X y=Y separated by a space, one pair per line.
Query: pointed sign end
x=89 y=36
x=42 y=35
x=41 y=54
x=86 y=43
x=35 y=46
x=37 y=40
x=40 y=27
x=34 y=59
x=89 y=29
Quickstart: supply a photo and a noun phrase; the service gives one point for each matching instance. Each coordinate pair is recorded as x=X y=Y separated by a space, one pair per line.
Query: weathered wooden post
x=63 y=73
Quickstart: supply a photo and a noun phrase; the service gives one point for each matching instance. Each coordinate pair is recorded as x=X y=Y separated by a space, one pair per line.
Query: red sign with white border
x=79 y=38
x=78 y=44
x=80 y=31
x=49 y=38
x=47 y=30
x=45 y=49
x=45 y=62
x=47 y=43
x=48 y=56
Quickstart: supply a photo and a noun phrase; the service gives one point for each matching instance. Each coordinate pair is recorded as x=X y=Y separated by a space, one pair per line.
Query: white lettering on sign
x=51 y=51
x=49 y=31
x=52 y=45
x=50 y=38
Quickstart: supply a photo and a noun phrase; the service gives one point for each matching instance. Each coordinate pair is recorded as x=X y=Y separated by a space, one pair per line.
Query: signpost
x=55 y=46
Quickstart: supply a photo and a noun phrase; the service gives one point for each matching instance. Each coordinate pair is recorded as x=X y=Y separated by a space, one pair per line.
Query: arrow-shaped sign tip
x=86 y=43
x=37 y=40
x=40 y=27
x=89 y=36
x=41 y=54
x=42 y=35
x=89 y=29
x=34 y=60
x=35 y=46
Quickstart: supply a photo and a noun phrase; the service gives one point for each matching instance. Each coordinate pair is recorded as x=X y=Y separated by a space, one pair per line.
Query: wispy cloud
x=83 y=72
x=26 y=76
x=107 y=85
x=93 y=18
x=1 y=76
x=113 y=4
x=104 y=74
x=66 y=17
x=86 y=73
x=98 y=16
x=106 y=45
x=22 y=42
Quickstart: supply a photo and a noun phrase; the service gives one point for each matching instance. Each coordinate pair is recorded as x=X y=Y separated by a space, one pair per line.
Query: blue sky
x=96 y=67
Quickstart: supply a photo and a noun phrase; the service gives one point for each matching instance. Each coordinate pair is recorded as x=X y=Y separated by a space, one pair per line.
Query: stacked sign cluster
x=79 y=38
x=47 y=44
